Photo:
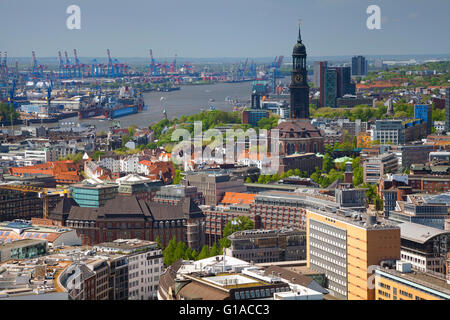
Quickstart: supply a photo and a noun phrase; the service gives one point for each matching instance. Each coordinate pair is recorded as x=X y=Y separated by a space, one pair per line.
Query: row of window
x=258 y=293
x=329 y=268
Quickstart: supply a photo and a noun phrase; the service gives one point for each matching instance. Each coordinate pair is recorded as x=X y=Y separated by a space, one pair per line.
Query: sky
x=225 y=28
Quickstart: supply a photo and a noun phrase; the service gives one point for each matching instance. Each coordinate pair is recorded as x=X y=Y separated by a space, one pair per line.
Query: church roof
x=301 y=127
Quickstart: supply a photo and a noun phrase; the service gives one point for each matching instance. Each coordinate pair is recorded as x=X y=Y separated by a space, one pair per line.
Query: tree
x=371 y=192
x=379 y=204
x=204 y=253
x=169 y=252
x=358 y=172
x=75 y=157
x=188 y=254
x=177 y=178
x=158 y=241
x=179 y=251
x=239 y=224
x=327 y=163
x=97 y=155
x=248 y=180
x=194 y=255
x=215 y=250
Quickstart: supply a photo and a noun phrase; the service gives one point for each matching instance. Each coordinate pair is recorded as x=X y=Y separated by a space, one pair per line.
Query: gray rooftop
x=418 y=232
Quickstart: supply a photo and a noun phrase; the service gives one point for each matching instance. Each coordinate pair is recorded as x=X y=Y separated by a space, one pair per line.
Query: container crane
x=173 y=66
x=61 y=68
x=68 y=66
x=151 y=67
x=77 y=64
x=37 y=68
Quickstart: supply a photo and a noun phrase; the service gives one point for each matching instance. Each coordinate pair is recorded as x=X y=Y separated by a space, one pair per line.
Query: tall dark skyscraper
x=359 y=66
x=299 y=83
x=335 y=82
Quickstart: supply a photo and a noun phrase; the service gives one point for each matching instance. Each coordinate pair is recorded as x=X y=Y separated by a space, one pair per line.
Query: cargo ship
x=168 y=88
x=127 y=103
x=110 y=107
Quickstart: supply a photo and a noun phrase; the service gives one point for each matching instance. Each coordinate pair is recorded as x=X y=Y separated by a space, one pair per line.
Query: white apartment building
x=145 y=265
x=41 y=156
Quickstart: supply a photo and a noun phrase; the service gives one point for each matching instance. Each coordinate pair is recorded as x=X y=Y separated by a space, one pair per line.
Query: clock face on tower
x=298 y=78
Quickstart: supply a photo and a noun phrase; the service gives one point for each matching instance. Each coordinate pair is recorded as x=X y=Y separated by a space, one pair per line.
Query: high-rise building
x=359 y=66
x=447 y=109
x=330 y=92
x=334 y=82
x=345 y=85
x=322 y=67
x=316 y=80
x=345 y=247
x=299 y=83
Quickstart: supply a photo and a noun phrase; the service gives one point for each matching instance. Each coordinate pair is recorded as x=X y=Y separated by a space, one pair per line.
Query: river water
x=190 y=99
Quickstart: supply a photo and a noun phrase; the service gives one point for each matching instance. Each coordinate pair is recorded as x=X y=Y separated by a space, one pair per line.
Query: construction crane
x=43 y=193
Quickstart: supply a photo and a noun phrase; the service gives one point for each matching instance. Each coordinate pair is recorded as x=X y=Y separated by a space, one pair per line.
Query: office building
x=330 y=88
x=268 y=245
x=252 y=116
x=145 y=265
x=424 y=247
x=398 y=132
x=93 y=194
x=403 y=284
x=359 y=66
x=375 y=167
x=316 y=79
x=345 y=246
x=213 y=185
x=23 y=249
x=18 y=204
x=424 y=112
x=428 y=210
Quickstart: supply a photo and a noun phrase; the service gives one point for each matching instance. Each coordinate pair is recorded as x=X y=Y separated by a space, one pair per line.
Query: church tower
x=299 y=87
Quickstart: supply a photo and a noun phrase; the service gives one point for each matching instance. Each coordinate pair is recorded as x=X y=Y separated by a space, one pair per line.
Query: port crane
x=77 y=65
x=173 y=66
x=37 y=69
